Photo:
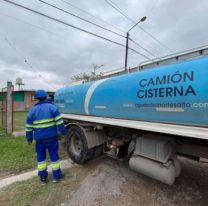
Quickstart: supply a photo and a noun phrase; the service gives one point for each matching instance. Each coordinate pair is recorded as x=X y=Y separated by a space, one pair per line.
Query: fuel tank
x=175 y=93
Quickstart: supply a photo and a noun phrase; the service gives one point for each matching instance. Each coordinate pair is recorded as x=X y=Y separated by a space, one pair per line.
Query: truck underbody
x=150 y=148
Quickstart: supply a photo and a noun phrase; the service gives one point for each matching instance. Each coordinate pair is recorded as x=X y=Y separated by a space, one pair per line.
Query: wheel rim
x=76 y=144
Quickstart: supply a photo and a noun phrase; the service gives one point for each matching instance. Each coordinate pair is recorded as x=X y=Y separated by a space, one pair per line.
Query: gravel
x=109 y=182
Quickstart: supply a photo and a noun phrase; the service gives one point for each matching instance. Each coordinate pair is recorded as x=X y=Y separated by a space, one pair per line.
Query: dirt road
x=109 y=182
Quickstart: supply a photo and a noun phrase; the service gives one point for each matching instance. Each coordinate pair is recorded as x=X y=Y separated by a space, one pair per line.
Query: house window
x=19 y=96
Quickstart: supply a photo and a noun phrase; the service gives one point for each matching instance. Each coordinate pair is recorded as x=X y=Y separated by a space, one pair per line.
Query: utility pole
x=127 y=48
x=127 y=41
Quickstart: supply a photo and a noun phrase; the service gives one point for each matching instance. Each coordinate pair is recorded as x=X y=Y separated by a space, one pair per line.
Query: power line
x=82 y=10
x=150 y=46
x=112 y=4
x=117 y=9
x=74 y=15
x=138 y=53
x=94 y=24
x=75 y=27
x=143 y=48
x=9 y=42
x=24 y=22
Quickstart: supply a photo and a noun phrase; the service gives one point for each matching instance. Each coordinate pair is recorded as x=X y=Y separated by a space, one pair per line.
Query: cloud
x=47 y=54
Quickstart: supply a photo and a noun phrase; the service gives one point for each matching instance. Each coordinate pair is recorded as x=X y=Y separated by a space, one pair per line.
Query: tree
x=86 y=77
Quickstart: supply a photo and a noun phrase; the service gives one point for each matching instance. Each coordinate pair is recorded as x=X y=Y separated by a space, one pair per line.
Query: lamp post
x=127 y=40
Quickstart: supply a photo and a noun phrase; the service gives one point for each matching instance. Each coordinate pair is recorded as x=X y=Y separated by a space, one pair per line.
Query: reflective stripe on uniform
x=59 y=122
x=43 y=121
x=29 y=130
x=57 y=118
x=29 y=125
x=44 y=125
x=55 y=165
x=42 y=166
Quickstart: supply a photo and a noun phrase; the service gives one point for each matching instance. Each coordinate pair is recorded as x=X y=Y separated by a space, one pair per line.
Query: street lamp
x=127 y=39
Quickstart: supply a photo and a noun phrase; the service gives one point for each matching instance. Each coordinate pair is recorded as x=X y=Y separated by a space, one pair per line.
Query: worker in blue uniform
x=43 y=123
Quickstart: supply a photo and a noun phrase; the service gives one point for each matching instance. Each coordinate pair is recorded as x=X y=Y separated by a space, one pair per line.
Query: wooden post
x=9 y=108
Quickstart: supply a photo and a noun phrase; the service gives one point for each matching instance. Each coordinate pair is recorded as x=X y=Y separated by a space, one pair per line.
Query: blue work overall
x=43 y=121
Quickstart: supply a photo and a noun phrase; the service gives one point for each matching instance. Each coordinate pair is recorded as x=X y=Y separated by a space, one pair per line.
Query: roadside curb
x=65 y=164
x=19 y=134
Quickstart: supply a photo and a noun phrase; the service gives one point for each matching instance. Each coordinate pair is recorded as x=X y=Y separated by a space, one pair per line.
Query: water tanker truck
x=146 y=117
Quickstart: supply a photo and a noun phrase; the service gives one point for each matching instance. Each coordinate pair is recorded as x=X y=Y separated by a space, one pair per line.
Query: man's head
x=41 y=95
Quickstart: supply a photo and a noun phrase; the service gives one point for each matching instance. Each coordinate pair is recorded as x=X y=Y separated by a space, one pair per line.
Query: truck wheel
x=77 y=146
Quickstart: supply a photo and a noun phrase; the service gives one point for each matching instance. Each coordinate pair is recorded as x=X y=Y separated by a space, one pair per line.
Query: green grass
x=16 y=155
x=2 y=132
x=30 y=192
x=19 y=120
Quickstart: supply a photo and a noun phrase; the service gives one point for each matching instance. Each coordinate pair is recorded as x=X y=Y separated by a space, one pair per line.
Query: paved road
x=109 y=182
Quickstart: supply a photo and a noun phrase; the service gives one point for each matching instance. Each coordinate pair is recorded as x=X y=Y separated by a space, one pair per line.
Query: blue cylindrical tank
x=176 y=93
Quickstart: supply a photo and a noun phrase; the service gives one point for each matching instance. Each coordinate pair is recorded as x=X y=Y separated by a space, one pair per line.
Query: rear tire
x=77 y=147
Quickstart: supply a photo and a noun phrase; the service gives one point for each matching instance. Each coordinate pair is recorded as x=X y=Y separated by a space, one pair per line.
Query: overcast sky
x=46 y=54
